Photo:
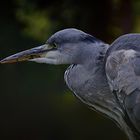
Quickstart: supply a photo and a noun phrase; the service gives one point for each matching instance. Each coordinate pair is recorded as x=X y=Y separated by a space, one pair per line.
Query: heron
x=104 y=77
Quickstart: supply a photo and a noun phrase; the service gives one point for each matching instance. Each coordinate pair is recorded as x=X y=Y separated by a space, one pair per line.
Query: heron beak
x=26 y=55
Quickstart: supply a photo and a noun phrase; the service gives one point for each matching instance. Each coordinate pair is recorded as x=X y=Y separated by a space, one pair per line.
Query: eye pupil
x=54 y=45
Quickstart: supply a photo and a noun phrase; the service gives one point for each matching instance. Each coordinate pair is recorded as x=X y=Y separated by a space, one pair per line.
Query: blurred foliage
x=34 y=101
x=37 y=24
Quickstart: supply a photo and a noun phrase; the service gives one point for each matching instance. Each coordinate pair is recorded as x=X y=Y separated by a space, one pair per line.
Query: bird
x=105 y=77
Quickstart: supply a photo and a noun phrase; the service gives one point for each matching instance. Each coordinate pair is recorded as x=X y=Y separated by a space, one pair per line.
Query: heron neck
x=89 y=83
x=95 y=55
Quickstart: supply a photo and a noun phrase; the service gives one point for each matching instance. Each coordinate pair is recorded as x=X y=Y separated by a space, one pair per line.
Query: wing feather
x=123 y=74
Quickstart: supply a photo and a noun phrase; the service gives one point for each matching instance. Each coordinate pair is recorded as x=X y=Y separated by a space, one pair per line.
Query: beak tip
x=5 y=60
x=2 y=61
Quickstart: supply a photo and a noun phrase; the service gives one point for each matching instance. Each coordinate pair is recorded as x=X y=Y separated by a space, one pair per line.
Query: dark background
x=34 y=100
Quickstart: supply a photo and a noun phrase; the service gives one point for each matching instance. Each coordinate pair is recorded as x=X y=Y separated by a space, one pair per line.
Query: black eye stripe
x=54 y=45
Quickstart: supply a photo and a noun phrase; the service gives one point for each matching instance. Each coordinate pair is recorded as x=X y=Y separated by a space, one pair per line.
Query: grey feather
x=123 y=73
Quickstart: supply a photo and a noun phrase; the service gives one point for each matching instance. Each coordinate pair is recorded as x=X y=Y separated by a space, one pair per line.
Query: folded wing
x=123 y=74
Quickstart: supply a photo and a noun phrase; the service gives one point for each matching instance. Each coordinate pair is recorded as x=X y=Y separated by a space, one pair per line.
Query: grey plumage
x=105 y=77
x=122 y=70
x=87 y=78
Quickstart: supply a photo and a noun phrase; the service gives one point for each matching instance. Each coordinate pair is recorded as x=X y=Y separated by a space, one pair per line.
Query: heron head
x=63 y=47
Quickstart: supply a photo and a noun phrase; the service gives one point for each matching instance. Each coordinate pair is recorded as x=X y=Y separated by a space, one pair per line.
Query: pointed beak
x=26 y=55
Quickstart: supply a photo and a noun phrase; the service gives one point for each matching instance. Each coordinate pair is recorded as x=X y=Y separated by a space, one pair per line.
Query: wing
x=123 y=74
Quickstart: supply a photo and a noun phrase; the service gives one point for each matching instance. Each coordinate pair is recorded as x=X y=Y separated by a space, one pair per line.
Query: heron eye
x=54 y=46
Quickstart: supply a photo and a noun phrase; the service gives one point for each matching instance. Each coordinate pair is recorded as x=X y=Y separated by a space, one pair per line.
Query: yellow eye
x=54 y=46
